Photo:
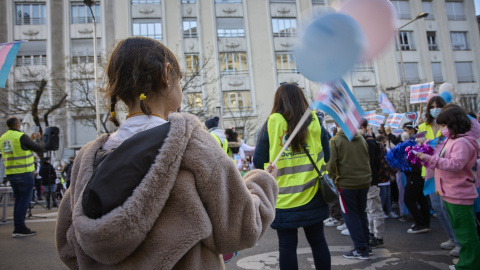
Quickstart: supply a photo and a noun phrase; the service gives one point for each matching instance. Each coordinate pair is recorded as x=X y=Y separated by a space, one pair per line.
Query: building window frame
x=194 y=101
x=233 y=63
x=459 y=40
x=145 y=2
x=37 y=13
x=432 y=41
x=80 y=13
x=427 y=6
x=403 y=9
x=236 y=101
x=230 y=27
x=455 y=10
x=228 y=1
x=284 y=27
x=437 y=72
x=467 y=66
x=192 y=63
x=151 y=28
x=31 y=60
x=406 y=40
x=190 y=28
x=285 y=62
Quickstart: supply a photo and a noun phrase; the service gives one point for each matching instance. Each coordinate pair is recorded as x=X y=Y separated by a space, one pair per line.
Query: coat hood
x=357 y=136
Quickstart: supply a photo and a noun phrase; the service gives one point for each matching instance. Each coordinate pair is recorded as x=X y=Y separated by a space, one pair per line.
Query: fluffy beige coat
x=192 y=206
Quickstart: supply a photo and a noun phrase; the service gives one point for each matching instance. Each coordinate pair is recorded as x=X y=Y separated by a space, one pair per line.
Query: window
x=228 y=1
x=141 y=2
x=432 y=41
x=406 y=41
x=233 y=63
x=236 y=101
x=230 y=27
x=363 y=67
x=26 y=14
x=464 y=72
x=437 y=72
x=284 y=27
x=31 y=60
x=427 y=7
x=469 y=102
x=82 y=51
x=286 y=63
x=282 y=1
x=188 y=1
x=411 y=72
x=459 y=41
x=151 y=28
x=82 y=14
x=192 y=64
x=82 y=91
x=190 y=28
x=25 y=94
x=194 y=101
x=403 y=9
x=318 y=2
x=455 y=11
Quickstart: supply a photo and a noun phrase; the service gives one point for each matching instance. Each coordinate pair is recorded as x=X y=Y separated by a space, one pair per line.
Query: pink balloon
x=378 y=20
x=430 y=96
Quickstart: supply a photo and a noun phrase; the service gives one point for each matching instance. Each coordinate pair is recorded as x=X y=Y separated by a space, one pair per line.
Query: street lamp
x=399 y=46
x=89 y=3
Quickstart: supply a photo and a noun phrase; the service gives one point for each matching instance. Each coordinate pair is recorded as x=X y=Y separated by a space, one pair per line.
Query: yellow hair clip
x=142 y=97
x=113 y=114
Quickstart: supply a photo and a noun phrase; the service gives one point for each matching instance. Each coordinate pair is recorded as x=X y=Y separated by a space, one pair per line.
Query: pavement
x=401 y=250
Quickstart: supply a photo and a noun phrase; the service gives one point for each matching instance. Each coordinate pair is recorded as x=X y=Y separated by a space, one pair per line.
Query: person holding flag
x=300 y=202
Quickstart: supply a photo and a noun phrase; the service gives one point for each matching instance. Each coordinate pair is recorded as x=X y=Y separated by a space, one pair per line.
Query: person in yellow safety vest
x=212 y=126
x=300 y=202
x=432 y=129
x=17 y=149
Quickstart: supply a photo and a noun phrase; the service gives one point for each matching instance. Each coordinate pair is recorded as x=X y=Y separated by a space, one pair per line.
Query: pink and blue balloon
x=329 y=47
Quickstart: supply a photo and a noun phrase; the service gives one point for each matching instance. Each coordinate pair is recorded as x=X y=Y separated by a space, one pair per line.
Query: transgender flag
x=8 y=53
x=385 y=104
x=420 y=92
x=337 y=100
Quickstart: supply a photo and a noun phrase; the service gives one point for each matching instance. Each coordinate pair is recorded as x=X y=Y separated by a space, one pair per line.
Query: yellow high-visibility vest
x=15 y=158
x=224 y=145
x=428 y=136
x=296 y=177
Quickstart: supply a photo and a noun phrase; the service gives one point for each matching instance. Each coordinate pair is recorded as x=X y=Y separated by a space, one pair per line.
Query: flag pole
x=294 y=133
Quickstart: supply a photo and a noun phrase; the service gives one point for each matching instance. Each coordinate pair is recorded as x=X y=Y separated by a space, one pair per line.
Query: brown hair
x=290 y=102
x=137 y=66
x=456 y=120
x=440 y=103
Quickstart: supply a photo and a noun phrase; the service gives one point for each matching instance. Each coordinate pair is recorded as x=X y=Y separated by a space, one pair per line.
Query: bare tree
x=38 y=91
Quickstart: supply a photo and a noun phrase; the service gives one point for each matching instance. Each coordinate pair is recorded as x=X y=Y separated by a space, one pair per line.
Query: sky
x=477 y=7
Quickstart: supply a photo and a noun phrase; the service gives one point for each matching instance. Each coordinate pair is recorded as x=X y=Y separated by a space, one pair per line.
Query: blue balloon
x=447 y=96
x=329 y=47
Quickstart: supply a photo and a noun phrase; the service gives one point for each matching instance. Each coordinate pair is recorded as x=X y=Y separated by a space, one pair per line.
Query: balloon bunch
x=423 y=148
x=445 y=90
x=333 y=43
x=397 y=157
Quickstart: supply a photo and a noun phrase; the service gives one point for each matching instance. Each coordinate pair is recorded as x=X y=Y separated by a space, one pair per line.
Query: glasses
x=292 y=83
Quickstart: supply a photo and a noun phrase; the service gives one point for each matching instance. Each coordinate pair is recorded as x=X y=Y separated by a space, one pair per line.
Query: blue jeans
x=288 y=241
x=50 y=193
x=355 y=204
x=22 y=185
x=439 y=206
x=385 y=197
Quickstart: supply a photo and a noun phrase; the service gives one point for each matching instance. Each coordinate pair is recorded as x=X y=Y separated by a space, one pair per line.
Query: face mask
x=445 y=132
x=435 y=112
x=38 y=160
x=405 y=136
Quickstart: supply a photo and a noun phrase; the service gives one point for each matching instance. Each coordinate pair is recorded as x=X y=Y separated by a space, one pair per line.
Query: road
x=402 y=251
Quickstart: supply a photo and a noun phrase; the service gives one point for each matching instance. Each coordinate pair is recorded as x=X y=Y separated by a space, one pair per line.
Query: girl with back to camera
x=300 y=202
x=190 y=204
x=454 y=180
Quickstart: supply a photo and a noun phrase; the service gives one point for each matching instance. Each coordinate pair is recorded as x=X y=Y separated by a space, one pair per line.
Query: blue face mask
x=435 y=112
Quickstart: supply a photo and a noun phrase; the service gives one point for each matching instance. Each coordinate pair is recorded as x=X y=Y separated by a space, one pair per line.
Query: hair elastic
x=142 y=96
x=113 y=114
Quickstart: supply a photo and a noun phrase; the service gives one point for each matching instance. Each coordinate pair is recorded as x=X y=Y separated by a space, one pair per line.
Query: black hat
x=212 y=122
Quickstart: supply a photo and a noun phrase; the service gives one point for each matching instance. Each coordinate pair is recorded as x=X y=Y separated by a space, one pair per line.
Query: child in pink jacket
x=455 y=180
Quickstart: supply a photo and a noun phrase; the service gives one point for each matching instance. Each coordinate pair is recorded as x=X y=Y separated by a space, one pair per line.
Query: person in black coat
x=48 y=174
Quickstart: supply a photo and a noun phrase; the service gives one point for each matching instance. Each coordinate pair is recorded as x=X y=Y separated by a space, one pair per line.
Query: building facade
x=234 y=54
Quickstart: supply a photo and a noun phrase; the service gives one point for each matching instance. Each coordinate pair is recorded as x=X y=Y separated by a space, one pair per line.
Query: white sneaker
x=384 y=216
x=328 y=220
x=345 y=232
x=333 y=223
x=455 y=252
x=451 y=267
x=447 y=245
x=342 y=227
x=392 y=215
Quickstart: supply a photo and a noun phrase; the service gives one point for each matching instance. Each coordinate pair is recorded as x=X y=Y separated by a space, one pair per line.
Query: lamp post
x=399 y=46
x=89 y=3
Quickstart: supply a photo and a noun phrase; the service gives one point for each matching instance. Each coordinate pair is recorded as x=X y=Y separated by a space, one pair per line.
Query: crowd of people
x=187 y=192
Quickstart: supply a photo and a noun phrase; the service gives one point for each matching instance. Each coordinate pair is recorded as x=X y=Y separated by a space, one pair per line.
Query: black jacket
x=48 y=174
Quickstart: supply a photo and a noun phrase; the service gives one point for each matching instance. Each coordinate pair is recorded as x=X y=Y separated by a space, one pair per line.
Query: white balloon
x=445 y=87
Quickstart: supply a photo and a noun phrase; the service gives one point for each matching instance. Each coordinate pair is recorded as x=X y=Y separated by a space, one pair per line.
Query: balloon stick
x=294 y=133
